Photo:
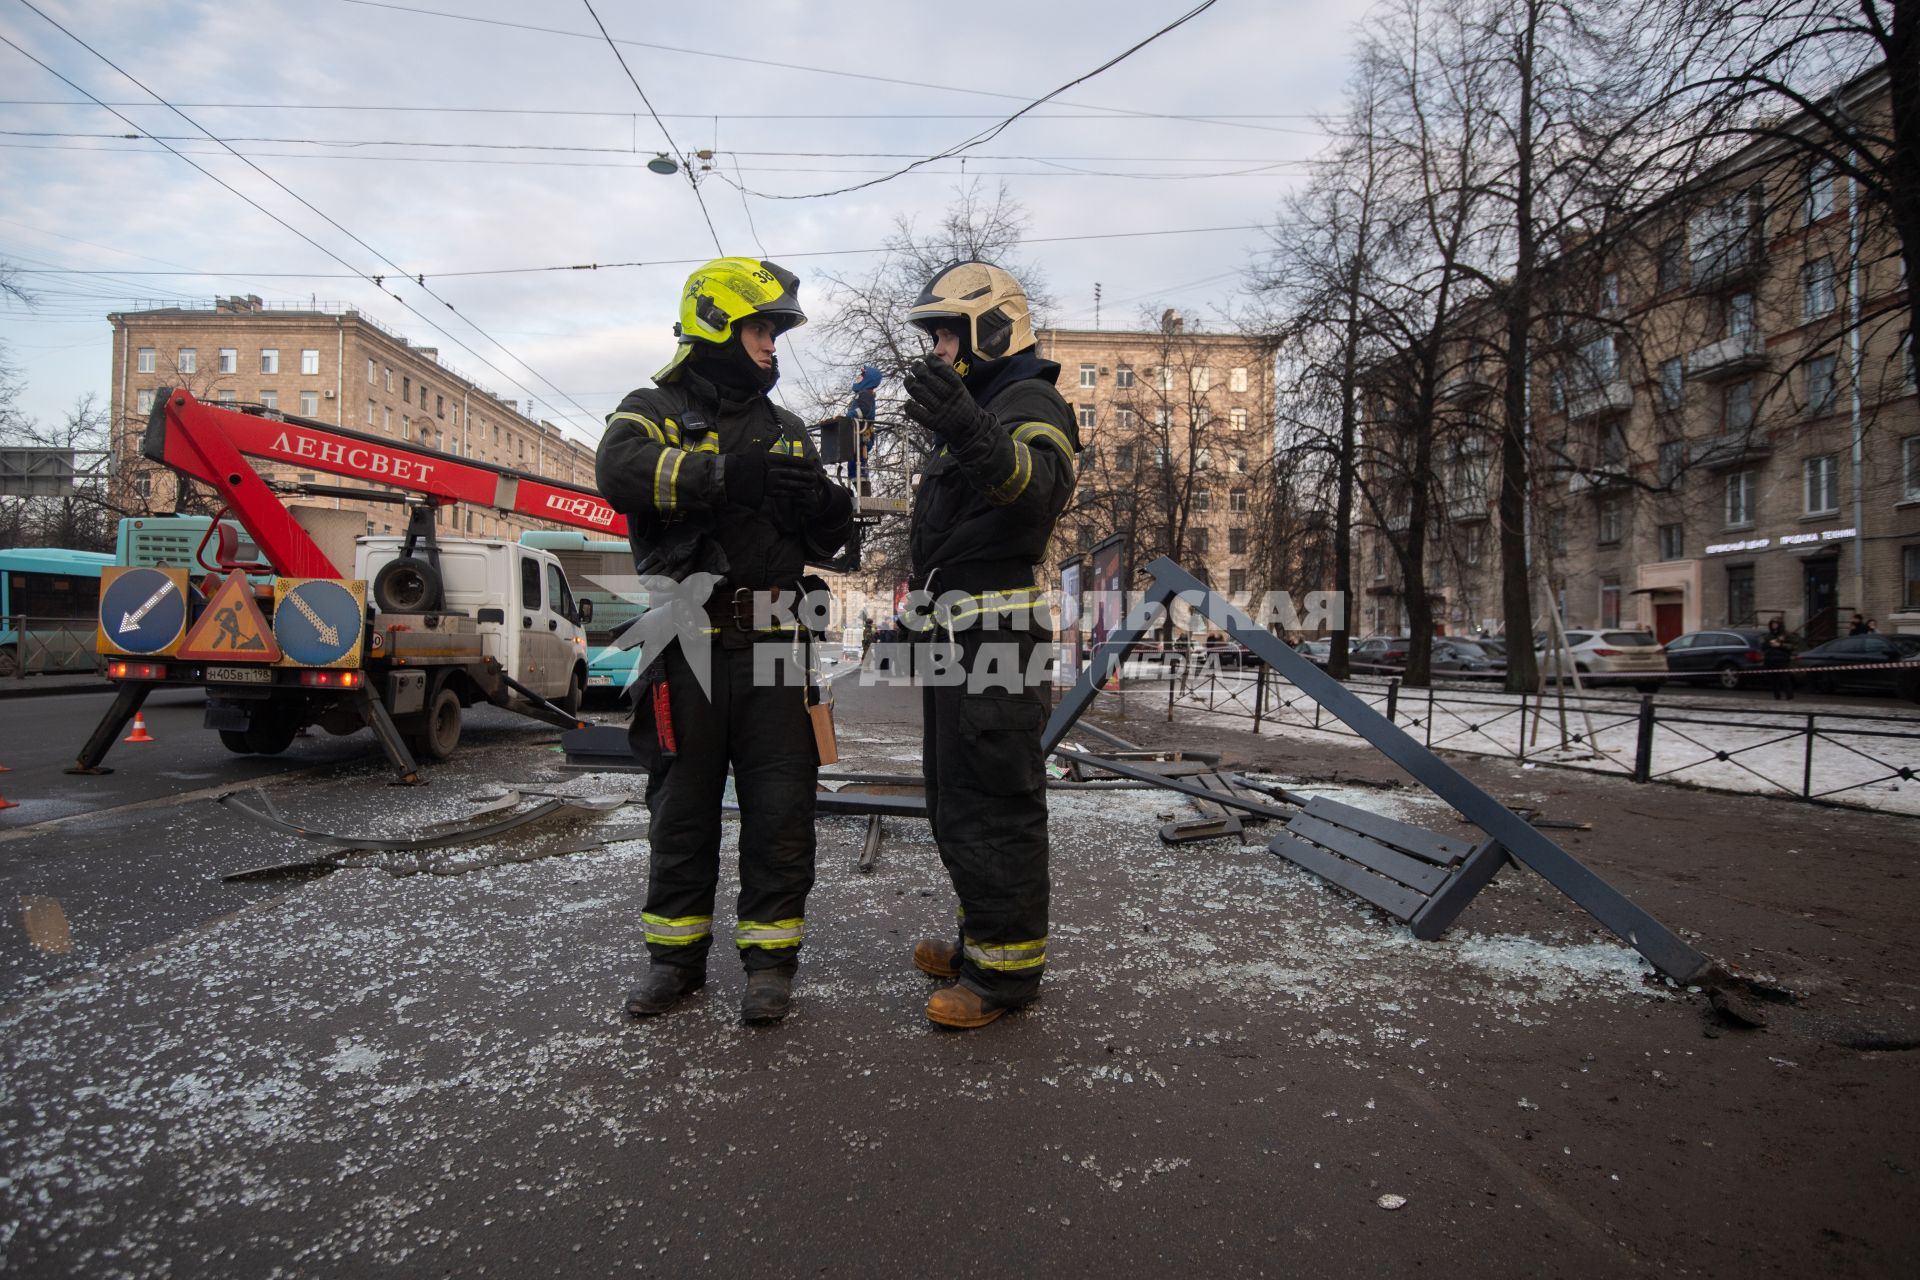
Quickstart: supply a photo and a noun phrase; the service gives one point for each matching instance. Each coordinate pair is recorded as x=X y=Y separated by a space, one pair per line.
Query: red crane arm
x=213 y=444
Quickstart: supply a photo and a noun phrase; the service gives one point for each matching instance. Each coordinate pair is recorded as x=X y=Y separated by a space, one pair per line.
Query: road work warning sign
x=231 y=628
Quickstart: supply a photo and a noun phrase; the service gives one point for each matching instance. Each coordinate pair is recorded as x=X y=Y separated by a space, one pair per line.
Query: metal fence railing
x=46 y=646
x=1862 y=759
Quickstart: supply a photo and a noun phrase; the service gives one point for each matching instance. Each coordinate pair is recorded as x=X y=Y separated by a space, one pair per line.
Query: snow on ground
x=366 y=1040
x=1757 y=749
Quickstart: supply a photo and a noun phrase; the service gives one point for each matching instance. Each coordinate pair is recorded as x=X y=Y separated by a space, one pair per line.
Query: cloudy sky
x=436 y=137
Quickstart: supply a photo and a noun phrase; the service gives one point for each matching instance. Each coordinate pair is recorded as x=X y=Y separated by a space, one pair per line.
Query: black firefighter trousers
x=987 y=801
x=764 y=733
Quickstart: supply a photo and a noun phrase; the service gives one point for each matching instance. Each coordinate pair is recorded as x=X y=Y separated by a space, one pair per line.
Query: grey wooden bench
x=1408 y=872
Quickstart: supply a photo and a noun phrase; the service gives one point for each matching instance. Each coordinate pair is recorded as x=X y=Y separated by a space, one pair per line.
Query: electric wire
x=993 y=131
x=376 y=280
x=693 y=182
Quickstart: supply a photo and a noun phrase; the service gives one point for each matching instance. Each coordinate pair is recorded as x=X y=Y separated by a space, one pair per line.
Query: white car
x=1615 y=656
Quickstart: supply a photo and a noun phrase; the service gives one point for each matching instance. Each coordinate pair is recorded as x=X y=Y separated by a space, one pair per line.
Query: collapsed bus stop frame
x=1168 y=583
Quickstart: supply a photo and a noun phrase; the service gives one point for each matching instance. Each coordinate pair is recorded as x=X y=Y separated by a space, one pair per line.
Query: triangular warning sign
x=231 y=628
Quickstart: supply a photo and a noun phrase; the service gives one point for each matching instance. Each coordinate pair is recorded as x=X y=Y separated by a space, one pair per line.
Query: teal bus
x=49 y=600
x=173 y=542
x=599 y=570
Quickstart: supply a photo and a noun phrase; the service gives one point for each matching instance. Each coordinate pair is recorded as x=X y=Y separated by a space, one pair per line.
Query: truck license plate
x=241 y=675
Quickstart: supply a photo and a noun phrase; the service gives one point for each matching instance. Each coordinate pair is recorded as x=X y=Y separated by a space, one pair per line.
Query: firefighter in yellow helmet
x=723 y=488
x=1002 y=473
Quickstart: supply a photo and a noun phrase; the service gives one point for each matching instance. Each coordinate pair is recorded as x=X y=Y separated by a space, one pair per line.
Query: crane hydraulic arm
x=212 y=444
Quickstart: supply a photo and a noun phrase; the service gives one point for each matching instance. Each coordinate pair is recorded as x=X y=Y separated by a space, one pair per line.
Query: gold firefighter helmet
x=726 y=291
x=983 y=304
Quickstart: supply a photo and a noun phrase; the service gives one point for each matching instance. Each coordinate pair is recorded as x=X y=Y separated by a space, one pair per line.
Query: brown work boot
x=936 y=957
x=962 y=1007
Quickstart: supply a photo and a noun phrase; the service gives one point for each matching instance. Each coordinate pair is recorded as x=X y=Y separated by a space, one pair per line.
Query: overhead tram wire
x=1114 y=113
x=376 y=280
x=994 y=131
x=693 y=182
x=666 y=262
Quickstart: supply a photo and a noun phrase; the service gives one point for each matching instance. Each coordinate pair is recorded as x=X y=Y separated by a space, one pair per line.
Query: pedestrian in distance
x=1858 y=627
x=720 y=486
x=1002 y=471
x=867 y=635
x=1776 y=654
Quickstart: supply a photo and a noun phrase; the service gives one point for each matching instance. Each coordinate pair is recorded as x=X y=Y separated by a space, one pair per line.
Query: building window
x=186 y=360
x=1197 y=540
x=1202 y=417
x=1123 y=376
x=1672 y=255
x=1476 y=544
x=1089 y=375
x=1609 y=602
x=269 y=360
x=1379 y=562
x=1610 y=292
x=309 y=404
x=1237 y=378
x=1740 y=316
x=1237 y=541
x=386 y=421
x=1085 y=416
x=1164 y=378
x=1240 y=462
x=1673 y=383
x=1740 y=500
x=143 y=362
x=389 y=377
x=1822 y=477
x=1125 y=418
x=1200 y=378
x=1816 y=289
x=1739 y=595
x=1910 y=577
x=1820 y=186
x=229 y=360
x=406 y=388
x=370 y=408
x=406 y=427
x=1237 y=419
x=439 y=406
x=1736 y=404
x=226 y=397
x=1601 y=360
x=1910 y=467
x=1123 y=458
x=1236 y=581
x=310 y=361
x=269 y=399
x=1672 y=542
x=1610 y=522
x=1673 y=461
x=423 y=395
x=143 y=401
x=1237 y=501
x=1611 y=445
x=372 y=377
x=1822 y=385
x=1557 y=391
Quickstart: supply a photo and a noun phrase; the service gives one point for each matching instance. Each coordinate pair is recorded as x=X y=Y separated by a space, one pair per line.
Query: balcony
x=1466 y=389
x=1728 y=259
x=1731 y=357
x=1724 y=452
x=1605 y=478
x=1610 y=397
x=1462 y=510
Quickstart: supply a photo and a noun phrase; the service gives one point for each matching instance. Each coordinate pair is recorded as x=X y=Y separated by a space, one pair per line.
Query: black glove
x=795 y=481
x=745 y=477
x=938 y=401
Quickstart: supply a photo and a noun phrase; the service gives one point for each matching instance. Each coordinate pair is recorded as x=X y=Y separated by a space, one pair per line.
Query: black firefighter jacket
x=986 y=507
x=662 y=464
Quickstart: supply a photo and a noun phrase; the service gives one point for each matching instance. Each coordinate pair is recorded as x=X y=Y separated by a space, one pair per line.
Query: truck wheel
x=235 y=740
x=407 y=586
x=270 y=737
x=1729 y=675
x=576 y=694
x=441 y=733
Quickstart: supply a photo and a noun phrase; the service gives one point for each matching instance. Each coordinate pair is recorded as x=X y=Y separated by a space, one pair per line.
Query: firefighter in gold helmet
x=1002 y=473
x=721 y=486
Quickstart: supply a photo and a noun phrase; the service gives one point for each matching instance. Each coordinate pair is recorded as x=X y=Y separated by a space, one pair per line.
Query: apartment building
x=1177 y=429
x=1725 y=423
x=333 y=364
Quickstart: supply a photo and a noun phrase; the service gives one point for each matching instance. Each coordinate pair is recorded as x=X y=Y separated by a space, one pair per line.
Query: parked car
x=1850 y=651
x=1609 y=653
x=1379 y=653
x=1457 y=655
x=1315 y=651
x=1726 y=655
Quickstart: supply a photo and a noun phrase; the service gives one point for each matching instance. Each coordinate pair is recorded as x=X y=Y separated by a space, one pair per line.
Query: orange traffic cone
x=4 y=802
x=139 y=733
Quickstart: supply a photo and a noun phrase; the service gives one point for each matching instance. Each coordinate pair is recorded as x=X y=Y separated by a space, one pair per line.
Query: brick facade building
x=334 y=365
